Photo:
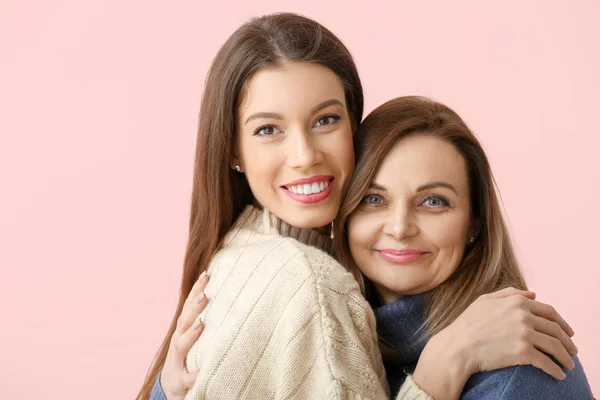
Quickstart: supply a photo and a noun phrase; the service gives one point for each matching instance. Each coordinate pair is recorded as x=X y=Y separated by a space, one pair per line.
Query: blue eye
x=435 y=202
x=372 y=200
x=327 y=120
x=267 y=130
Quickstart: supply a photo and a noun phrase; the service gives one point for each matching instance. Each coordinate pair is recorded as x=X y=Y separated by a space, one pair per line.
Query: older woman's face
x=410 y=231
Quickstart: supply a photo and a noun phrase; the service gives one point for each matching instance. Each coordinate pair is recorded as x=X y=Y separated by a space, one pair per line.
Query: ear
x=474 y=231
x=235 y=163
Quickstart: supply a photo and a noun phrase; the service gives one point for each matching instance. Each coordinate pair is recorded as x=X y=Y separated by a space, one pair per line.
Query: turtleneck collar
x=261 y=218
x=400 y=328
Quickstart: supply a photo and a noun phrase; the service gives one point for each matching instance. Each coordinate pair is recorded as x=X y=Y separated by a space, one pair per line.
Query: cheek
x=449 y=236
x=445 y=230
x=258 y=161
x=346 y=148
x=341 y=152
x=362 y=233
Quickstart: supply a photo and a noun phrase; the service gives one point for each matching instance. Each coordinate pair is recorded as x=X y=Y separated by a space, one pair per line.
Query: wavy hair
x=489 y=263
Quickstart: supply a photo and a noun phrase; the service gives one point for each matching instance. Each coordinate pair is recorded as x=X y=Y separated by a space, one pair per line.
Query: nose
x=303 y=151
x=401 y=223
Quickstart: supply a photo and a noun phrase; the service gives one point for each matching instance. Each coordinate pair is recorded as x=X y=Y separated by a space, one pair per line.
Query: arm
x=527 y=382
x=157 y=391
x=290 y=328
x=498 y=330
x=411 y=391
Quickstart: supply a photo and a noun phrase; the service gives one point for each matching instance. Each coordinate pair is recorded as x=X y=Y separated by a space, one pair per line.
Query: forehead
x=421 y=159
x=289 y=87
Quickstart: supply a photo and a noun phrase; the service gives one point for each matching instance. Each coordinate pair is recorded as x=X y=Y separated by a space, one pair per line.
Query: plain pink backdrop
x=98 y=112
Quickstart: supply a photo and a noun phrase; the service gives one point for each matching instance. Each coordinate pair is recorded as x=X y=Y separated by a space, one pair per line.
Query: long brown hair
x=489 y=262
x=220 y=194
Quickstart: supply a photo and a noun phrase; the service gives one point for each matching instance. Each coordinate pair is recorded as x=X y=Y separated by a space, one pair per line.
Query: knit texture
x=411 y=391
x=284 y=320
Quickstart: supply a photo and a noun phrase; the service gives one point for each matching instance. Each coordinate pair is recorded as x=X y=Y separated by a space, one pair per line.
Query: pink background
x=98 y=105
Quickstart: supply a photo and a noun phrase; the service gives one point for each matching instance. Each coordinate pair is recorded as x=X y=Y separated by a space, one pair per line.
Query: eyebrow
x=377 y=186
x=276 y=116
x=437 y=184
x=431 y=185
x=326 y=104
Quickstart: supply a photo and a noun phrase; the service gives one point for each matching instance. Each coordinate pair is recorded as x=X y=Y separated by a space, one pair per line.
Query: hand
x=509 y=327
x=175 y=378
x=498 y=330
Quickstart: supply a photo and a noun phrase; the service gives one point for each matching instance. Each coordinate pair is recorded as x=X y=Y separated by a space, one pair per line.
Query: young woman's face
x=295 y=142
x=410 y=231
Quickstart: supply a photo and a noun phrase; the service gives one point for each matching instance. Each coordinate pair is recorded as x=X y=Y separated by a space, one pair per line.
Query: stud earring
x=237 y=168
x=472 y=240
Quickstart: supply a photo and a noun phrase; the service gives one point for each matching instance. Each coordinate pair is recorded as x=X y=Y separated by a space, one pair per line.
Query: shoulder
x=327 y=271
x=291 y=254
x=527 y=382
x=294 y=308
x=347 y=323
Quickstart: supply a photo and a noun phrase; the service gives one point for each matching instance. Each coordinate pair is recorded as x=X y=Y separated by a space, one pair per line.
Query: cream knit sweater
x=285 y=321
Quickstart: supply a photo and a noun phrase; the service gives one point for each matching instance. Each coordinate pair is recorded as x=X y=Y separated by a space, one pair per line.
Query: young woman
x=274 y=155
x=425 y=229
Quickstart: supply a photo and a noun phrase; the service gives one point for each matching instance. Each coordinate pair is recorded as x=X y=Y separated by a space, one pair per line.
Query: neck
x=316 y=237
x=400 y=327
x=386 y=296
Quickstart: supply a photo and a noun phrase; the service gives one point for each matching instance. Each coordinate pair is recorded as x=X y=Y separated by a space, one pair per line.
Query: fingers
x=552 y=329
x=546 y=311
x=192 y=310
x=188 y=379
x=511 y=291
x=543 y=362
x=194 y=304
x=553 y=347
x=200 y=285
x=175 y=378
x=188 y=338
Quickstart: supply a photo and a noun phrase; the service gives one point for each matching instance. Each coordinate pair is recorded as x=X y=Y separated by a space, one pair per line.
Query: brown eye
x=266 y=130
x=327 y=120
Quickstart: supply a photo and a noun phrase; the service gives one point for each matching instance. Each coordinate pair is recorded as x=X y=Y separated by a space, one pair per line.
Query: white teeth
x=309 y=188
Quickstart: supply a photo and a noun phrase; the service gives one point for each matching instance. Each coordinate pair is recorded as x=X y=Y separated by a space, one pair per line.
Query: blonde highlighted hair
x=489 y=262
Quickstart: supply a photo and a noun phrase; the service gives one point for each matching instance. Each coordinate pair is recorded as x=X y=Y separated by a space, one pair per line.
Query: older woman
x=422 y=224
x=274 y=154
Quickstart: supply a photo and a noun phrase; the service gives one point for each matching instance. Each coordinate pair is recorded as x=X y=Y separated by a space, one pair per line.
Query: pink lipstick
x=401 y=256
x=309 y=190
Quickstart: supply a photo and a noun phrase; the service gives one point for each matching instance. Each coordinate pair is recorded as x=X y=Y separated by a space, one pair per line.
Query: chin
x=310 y=219
x=309 y=223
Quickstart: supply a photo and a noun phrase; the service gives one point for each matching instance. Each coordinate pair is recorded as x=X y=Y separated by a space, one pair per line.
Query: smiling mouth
x=310 y=191
x=309 y=188
x=401 y=257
